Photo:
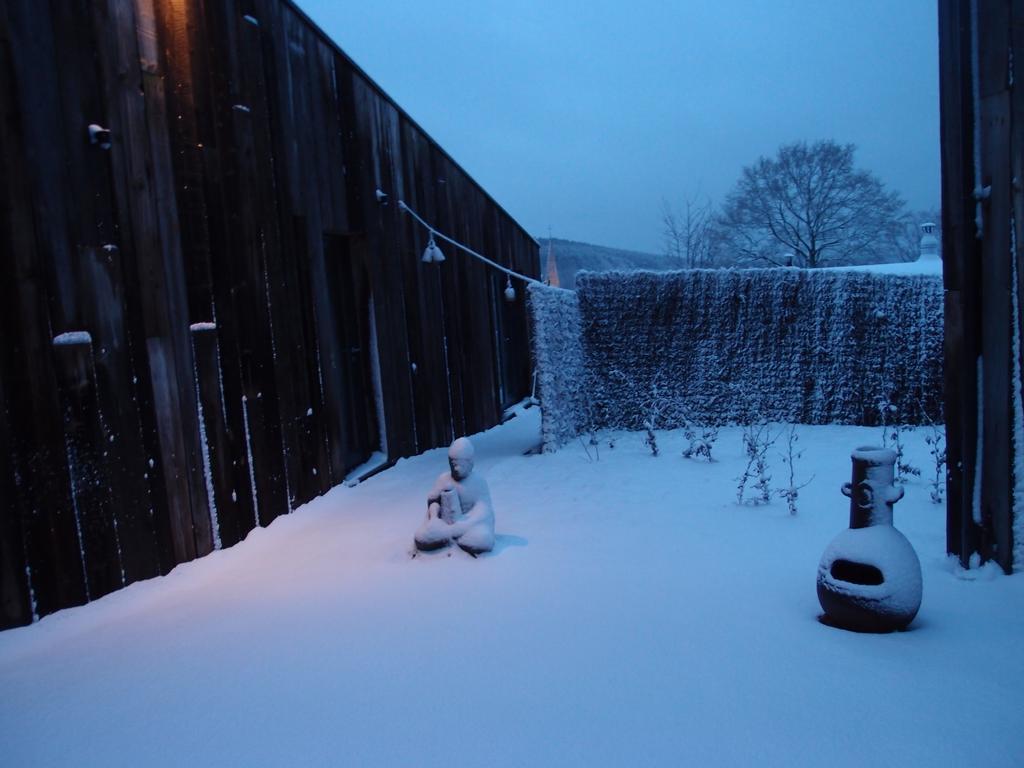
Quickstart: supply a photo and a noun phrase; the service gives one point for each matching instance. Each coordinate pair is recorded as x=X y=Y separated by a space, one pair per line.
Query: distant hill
x=571 y=257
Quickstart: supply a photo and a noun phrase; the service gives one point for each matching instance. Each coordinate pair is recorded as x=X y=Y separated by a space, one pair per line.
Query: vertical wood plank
x=996 y=322
x=144 y=178
x=85 y=441
x=30 y=153
x=960 y=274
x=139 y=439
x=247 y=241
x=15 y=590
x=201 y=175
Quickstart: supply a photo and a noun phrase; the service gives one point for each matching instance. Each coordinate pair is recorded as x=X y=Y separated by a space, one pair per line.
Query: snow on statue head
x=460 y=458
x=462 y=448
x=459 y=506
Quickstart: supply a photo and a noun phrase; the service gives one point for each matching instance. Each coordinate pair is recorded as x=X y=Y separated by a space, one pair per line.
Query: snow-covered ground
x=632 y=614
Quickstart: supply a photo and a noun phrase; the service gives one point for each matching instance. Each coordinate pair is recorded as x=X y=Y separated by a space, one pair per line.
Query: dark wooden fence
x=982 y=109
x=205 y=320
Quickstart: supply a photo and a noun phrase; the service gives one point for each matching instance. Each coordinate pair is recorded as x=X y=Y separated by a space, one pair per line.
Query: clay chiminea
x=869 y=579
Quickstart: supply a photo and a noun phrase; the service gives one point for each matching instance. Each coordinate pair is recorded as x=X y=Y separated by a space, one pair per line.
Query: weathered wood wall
x=225 y=255
x=982 y=111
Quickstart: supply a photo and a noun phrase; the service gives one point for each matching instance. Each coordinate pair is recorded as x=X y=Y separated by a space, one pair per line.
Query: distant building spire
x=551 y=277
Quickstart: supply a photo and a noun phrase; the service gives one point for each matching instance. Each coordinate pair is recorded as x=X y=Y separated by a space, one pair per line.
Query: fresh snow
x=211 y=497
x=631 y=614
x=72 y=474
x=1018 y=407
x=252 y=467
x=378 y=386
x=377 y=460
x=920 y=267
x=72 y=337
x=890 y=553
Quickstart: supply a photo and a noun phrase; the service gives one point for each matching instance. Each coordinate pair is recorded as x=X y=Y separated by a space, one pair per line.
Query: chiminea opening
x=856 y=573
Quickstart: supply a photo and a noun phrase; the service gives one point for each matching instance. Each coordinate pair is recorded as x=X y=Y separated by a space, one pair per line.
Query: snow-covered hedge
x=737 y=346
x=558 y=361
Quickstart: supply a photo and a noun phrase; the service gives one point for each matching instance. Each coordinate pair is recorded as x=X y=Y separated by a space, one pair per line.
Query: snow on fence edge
x=558 y=361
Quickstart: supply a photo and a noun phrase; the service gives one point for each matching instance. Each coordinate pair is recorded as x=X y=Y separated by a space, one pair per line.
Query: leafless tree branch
x=809 y=207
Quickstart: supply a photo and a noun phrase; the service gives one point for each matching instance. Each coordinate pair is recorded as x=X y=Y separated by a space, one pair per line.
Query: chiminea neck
x=872 y=489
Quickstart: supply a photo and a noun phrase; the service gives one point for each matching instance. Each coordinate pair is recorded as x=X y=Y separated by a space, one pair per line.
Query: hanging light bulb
x=432 y=253
x=510 y=292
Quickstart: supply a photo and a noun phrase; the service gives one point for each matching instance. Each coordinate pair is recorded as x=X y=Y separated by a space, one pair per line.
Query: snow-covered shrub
x=936 y=442
x=655 y=407
x=700 y=441
x=892 y=437
x=558 y=362
x=650 y=440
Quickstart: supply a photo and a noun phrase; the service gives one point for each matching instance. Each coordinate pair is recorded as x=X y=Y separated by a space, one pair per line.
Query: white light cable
x=511 y=272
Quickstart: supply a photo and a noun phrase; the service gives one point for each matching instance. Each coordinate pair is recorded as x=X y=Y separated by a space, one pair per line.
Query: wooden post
x=997 y=467
x=981 y=144
x=959 y=273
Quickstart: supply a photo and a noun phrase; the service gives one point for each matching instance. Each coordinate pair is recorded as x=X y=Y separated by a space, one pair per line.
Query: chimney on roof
x=929 y=243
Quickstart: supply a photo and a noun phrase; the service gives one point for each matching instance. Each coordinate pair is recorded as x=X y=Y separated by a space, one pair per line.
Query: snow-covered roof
x=919 y=267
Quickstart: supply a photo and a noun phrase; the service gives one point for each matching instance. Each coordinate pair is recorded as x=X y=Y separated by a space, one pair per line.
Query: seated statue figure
x=459 y=507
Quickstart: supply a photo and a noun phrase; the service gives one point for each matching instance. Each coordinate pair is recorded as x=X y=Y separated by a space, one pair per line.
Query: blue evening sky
x=583 y=116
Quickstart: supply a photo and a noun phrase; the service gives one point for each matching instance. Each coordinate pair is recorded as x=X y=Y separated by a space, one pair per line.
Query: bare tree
x=809 y=207
x=688 y=233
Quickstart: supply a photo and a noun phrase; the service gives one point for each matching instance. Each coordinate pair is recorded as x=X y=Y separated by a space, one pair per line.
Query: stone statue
x=459 y=507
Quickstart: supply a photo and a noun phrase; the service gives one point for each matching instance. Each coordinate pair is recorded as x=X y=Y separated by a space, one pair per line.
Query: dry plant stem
x=757 y=439
x=792 y=491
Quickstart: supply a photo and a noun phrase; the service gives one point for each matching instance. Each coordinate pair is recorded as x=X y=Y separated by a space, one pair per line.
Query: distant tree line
x=807 y=206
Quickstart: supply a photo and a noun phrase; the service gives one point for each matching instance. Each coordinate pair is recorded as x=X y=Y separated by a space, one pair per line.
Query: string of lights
x=433 y=254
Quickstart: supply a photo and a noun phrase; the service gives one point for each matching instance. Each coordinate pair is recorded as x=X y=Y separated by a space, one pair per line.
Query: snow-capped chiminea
x=869 y=578
x=929 y=244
